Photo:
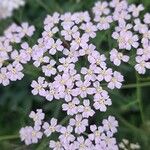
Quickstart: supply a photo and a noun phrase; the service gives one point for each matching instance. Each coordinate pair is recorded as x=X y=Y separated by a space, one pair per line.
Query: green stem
x=139 y=97
x=134 y=85
x=42 y=5
x=9 y=137
x=129 y=125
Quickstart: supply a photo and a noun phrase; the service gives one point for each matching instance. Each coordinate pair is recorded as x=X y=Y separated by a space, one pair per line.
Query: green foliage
x=130 y=104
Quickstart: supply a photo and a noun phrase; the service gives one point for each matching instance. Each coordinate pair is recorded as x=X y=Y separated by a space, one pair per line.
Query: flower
x=71 y=107
x=30 y=135
x=141 y=65
x=83 y=89
x=56 y=145
x=14 y=71
x=8 y=6
x=101 y=101
x=89 y=29
x=49 y=69
x=110 y=124
x=96 y=133
x=116 y=81
x=116 y=57
x=135 y=10
x=39 y=87
x=66 y=135
x=37 y=117
x=79 y=123
x=85 y=109
x=50 y=128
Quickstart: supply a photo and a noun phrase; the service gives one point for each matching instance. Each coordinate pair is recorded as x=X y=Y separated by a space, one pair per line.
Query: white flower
x=79 y=123
x=116 y=81
x=116 y=57
x=37 y=116
x=39 y=87
x=50 y=128
x=30 y=135
x=141 y=65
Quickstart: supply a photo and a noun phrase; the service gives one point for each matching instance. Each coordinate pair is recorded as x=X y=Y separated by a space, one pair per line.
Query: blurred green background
x=131 y=104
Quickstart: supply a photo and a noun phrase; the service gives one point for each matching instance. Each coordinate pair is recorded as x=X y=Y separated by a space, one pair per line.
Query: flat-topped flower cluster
x=8 y=6
x=72 y=136
x=74 y=70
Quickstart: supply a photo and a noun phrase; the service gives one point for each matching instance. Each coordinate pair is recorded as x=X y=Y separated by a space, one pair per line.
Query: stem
x=9 y=137
x=139 y=97
x=65 y=120
x=134 y=85
x=42 y=5
x=129 y=125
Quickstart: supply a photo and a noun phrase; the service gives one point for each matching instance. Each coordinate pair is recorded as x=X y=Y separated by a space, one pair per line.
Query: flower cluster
x=8 y=6
x=75 y=71
x=99 y=137
x=12 y=60
x=126 y=145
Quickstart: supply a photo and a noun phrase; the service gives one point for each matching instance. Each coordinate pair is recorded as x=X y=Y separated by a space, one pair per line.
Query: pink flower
x=71 y=107
x=55 y=145
x=79 y=123
x=61 y=81
x=83 y=144
x=85 y=109
x=3 y=76
x=37 y=116
x=110 y=124
x=83 y=89
x=89 y=29
x=66 y=64
x=135 y=10
x=50 y=128
x=51 y=93
x=96 y=133
x=49 y=32
x=144 y=52
x=101 y=8
x=101 y=101
x=49 y=69
x=116 y=57
x=39 y=87
x=90 y=74
x=14 y=71
x=3 y=57
x=96 y=58
x=116 y=81
x=38 y=57
x=79 y=41
x=72 y=54
x=68 y=32
x=54 y=19
x=25 y=52
x=66 y=135
x=147 y=18
x=80 y=17
x=54 y=46
x=98 y=88
x=103 y=22
x=141 y=65
x=105 y=74
x=87 y=50
x=30 y=135
x=25 y=29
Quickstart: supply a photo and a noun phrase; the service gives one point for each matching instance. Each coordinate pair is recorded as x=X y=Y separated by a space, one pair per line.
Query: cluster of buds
x=8 y=6
x=126 y=145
